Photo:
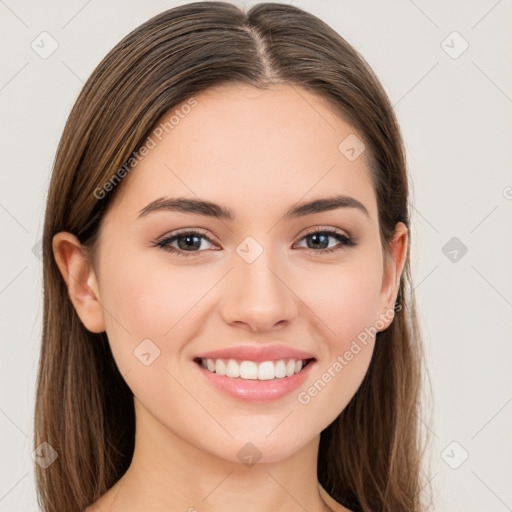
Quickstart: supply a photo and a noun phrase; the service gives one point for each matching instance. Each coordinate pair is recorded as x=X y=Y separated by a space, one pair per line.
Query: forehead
x=253 y=149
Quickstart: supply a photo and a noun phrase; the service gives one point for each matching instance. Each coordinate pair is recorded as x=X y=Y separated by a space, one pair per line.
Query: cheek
x=148 y=323
x=335 y=384
x=347 y=304
x=149 y=302
x=346 y=298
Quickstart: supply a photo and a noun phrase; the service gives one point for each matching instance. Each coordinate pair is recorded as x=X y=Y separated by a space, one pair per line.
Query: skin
x=274 y=148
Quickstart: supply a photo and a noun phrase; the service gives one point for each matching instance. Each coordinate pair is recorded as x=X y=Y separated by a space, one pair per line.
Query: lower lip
x=257 y=390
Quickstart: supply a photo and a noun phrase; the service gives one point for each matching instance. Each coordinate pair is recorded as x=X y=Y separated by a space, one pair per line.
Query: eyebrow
x=210 y=209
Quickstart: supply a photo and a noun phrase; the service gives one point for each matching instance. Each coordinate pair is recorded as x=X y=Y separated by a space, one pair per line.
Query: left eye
x=189 y=242
x=320 y=237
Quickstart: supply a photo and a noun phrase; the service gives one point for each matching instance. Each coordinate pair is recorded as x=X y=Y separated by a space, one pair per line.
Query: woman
x=229 y=316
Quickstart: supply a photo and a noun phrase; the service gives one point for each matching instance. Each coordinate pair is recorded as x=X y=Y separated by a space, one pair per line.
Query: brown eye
x=187 y=243
x=318 y=241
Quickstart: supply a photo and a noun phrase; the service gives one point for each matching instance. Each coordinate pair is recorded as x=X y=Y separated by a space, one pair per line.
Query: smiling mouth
x=252 y=370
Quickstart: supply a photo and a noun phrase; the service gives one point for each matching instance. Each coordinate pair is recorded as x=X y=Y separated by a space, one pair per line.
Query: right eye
x=186 y=242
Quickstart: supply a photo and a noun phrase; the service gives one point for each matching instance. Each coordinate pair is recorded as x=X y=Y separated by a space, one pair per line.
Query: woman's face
x=261 y=287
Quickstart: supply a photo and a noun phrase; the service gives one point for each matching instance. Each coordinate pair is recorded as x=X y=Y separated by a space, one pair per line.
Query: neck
x=167 y=473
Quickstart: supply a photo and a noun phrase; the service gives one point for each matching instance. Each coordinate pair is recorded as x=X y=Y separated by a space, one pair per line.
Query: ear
x=77 y=271
x=394 y=263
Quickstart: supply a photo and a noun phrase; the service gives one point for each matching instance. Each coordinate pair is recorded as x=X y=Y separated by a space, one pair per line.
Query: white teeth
x=250 y=370
x=280 y=369
x=266 y=371
x=220 y=367
x=233 y=369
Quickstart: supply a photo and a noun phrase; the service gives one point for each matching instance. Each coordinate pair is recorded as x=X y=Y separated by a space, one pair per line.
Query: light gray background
x=455 y=115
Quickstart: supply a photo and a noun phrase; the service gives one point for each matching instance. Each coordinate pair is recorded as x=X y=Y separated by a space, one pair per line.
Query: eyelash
x=345 y=241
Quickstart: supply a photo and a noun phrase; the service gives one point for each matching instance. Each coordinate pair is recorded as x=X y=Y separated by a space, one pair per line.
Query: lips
x=256 y=374
x=257 y=354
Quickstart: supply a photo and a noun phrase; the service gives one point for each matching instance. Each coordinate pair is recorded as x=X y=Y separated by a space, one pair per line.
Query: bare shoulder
x=334 y=505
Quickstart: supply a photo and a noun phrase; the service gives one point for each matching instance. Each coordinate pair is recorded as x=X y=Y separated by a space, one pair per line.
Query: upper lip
x=257 y=354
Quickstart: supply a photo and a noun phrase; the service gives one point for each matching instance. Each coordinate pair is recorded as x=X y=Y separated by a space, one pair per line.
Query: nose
x=258 y=297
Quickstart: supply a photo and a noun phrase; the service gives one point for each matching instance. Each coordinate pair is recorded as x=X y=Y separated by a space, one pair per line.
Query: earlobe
x=78 y=274
x=393 y=268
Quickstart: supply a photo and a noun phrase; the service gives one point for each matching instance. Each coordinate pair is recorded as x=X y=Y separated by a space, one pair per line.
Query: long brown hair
x=370 y=456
